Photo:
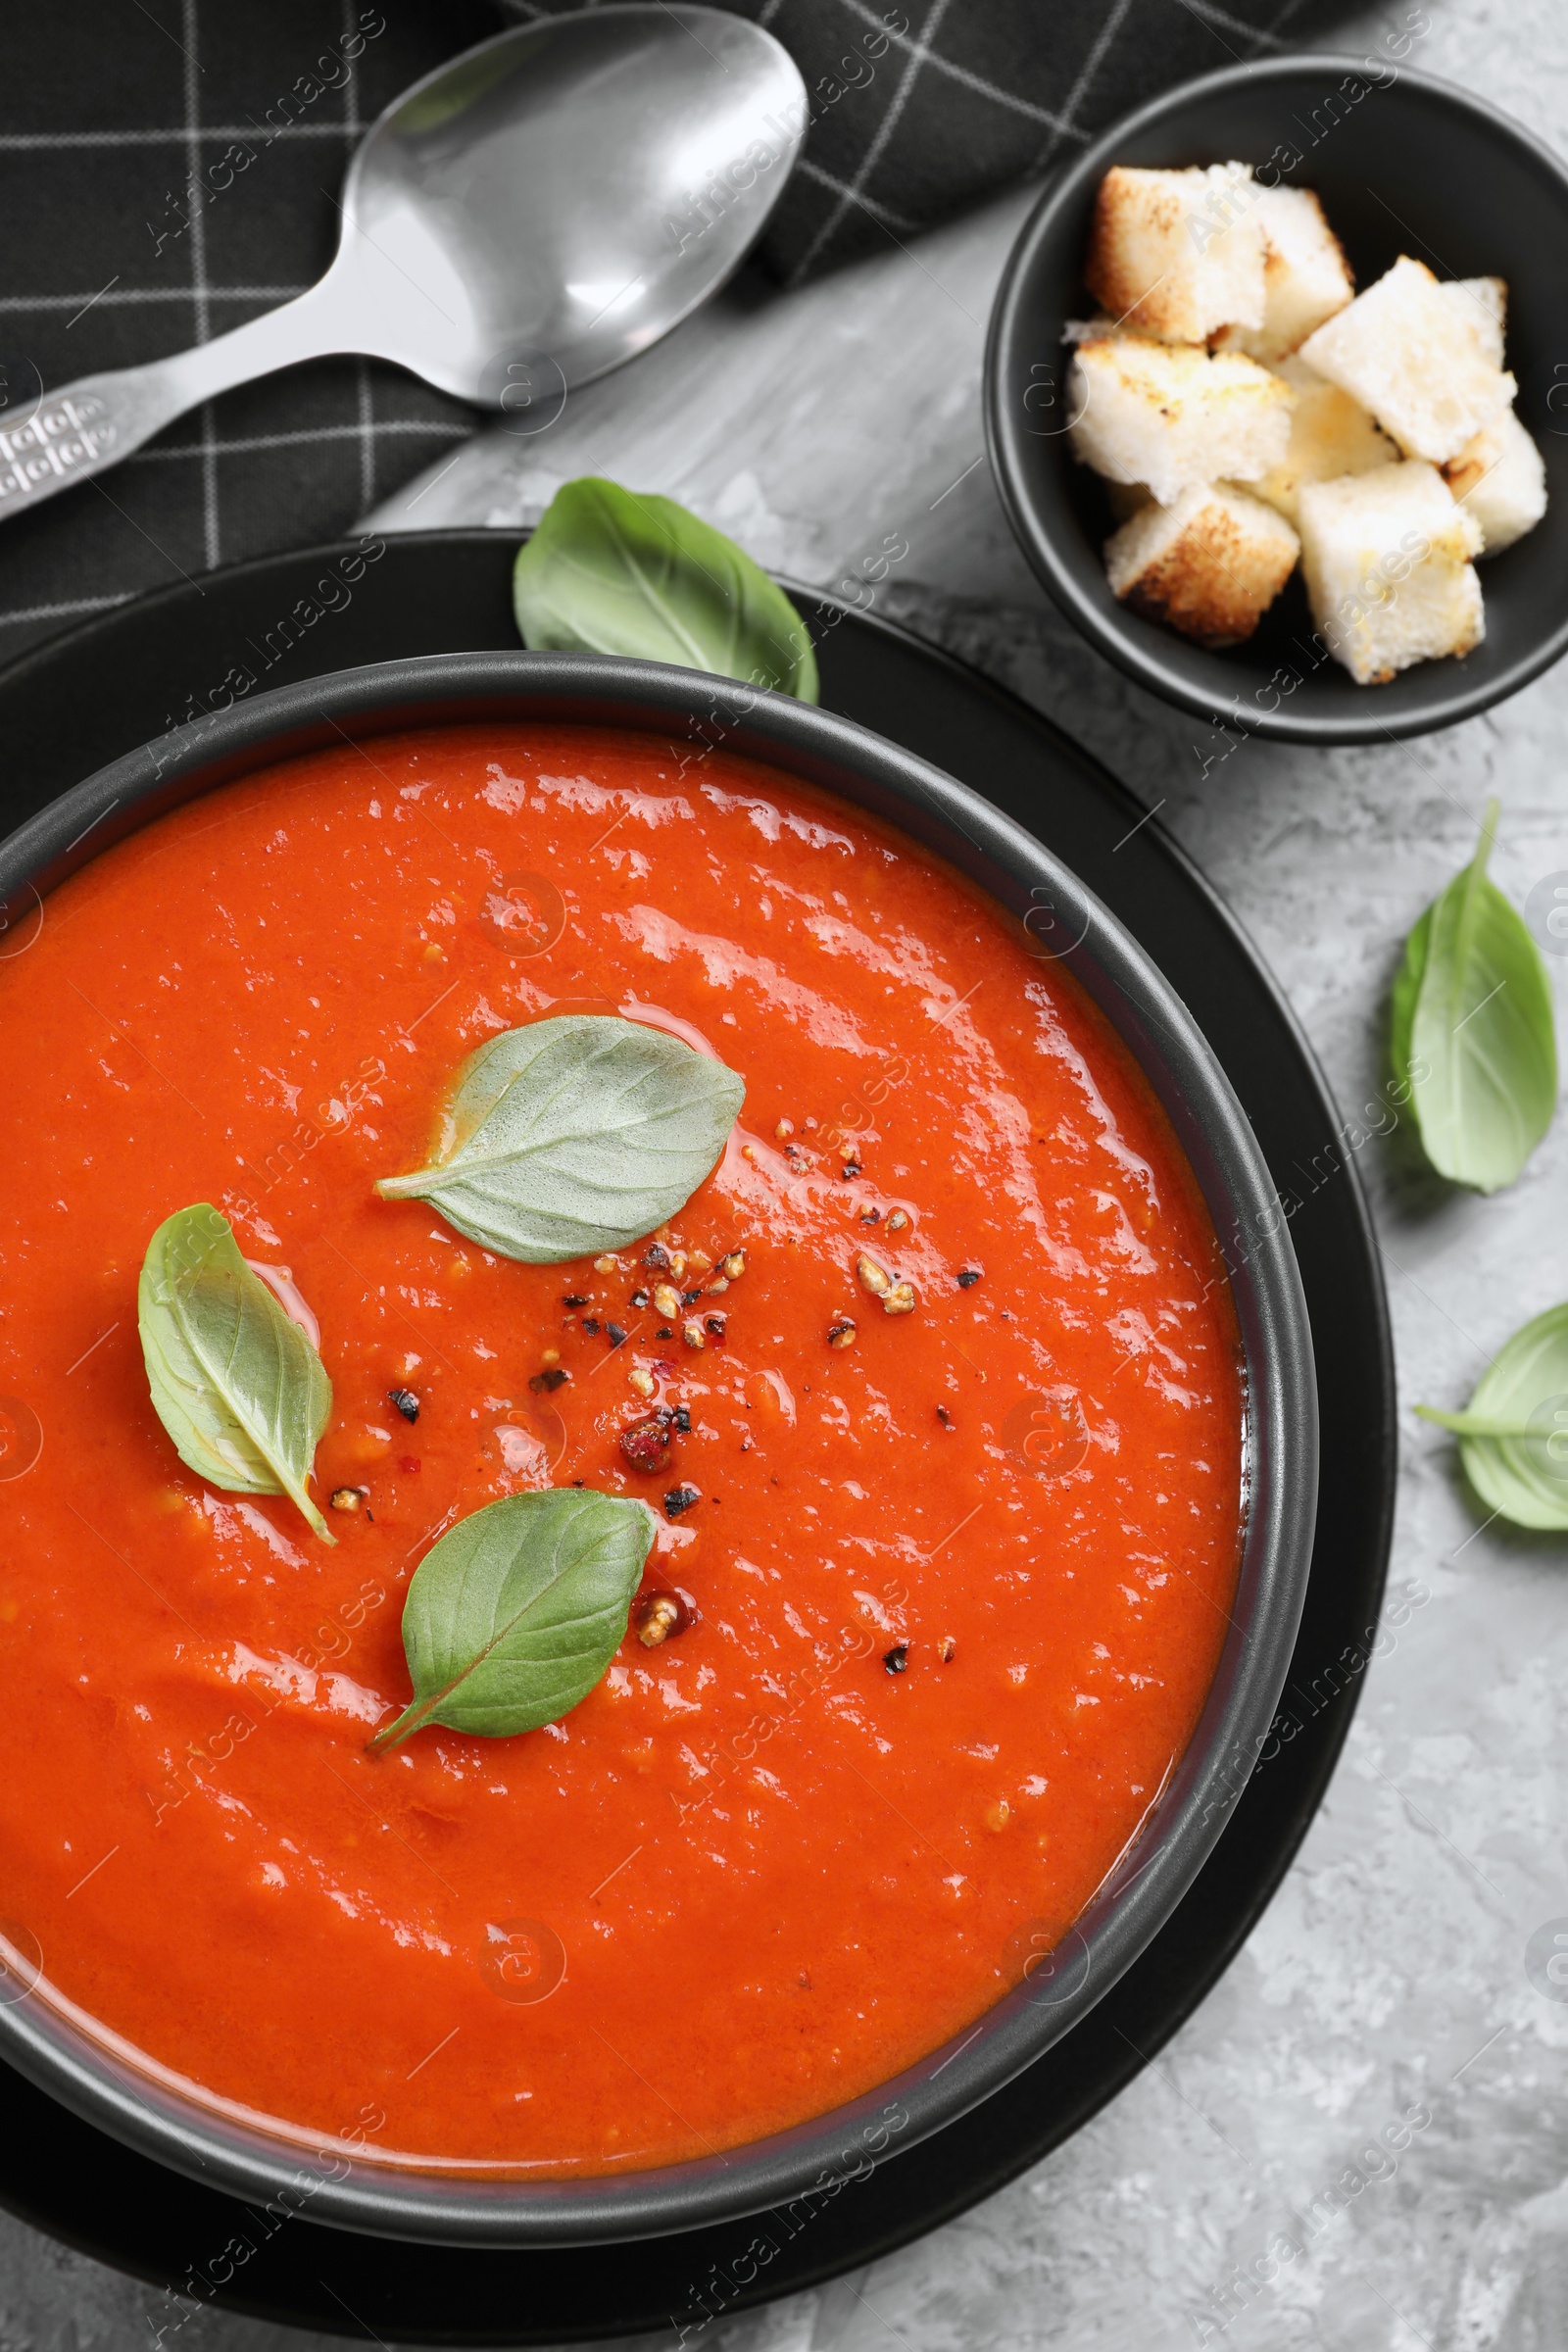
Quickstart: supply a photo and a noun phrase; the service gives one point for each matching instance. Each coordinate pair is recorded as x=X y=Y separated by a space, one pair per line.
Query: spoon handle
x=83 y=428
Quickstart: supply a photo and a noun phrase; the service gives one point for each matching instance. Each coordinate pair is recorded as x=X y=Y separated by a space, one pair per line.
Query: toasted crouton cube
x=1211 y=566
x=1170 y=414
x=1500 y=478
x=1483 y=304
x=1403 y=351
x=1178 y=254
x=1306 y=277
x=1330 y=434
x=1387 y=558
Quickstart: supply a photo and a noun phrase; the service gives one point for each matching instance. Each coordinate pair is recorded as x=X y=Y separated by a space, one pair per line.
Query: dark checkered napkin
x=170 y=169
x=108 y=260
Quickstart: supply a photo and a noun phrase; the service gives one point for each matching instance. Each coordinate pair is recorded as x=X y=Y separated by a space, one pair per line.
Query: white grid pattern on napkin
x=58 y=566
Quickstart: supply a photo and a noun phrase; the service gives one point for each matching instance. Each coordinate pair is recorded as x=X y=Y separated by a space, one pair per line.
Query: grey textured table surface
x=1390 y=1974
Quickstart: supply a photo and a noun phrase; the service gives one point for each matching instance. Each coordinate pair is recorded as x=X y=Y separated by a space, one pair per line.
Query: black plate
x=82 y=699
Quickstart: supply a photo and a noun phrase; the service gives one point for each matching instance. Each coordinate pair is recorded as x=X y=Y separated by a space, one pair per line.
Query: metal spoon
x=524 y=219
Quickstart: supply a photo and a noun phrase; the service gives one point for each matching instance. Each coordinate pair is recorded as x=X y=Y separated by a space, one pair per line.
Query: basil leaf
x=515 y=1615
x=1513 y=1440
x=612 y=571
x=1472 y=1013
x=575 y=1135
x=1407 y=989
x=234 y=1380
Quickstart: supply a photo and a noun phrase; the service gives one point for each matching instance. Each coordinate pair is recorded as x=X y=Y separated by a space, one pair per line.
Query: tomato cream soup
x=940 y=1592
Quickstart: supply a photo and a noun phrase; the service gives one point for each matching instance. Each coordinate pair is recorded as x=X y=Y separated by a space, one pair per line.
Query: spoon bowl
x=565 y=194
x=532 y=214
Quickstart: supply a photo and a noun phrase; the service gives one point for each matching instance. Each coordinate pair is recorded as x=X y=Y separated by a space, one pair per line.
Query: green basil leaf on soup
x=1513 y=1437
x=234 y=1380
x=1472 y=1031
x=574 y=1135
x=610 y=570
x=515 y=1615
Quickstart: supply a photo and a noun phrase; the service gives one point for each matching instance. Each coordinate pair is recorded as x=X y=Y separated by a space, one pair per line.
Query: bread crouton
x=1211 y=566
x=1330 y=434
x=1403 y=349
x=1387 y=558
x=1171 y=416
x=1306 y=277
x=1178 y=254
x=1500 y=478
x=1483 y=304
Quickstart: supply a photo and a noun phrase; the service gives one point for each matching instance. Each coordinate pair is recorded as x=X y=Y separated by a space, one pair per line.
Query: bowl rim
x=817 y=2159
x=1010 y=328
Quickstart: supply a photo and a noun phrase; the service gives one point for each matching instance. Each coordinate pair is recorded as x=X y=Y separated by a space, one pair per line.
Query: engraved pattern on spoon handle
x=79 y=430
x=82 y=429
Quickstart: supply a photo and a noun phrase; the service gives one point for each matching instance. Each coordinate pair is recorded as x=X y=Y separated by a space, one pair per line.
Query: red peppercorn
x=645 y=1444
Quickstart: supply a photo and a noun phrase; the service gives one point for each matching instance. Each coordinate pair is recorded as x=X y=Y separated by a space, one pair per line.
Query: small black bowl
x=459 y=2204
x=1403 y=163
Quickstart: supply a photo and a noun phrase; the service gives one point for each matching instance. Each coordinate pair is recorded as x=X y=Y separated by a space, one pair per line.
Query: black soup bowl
x=444 y=2202
x=1403 y=163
